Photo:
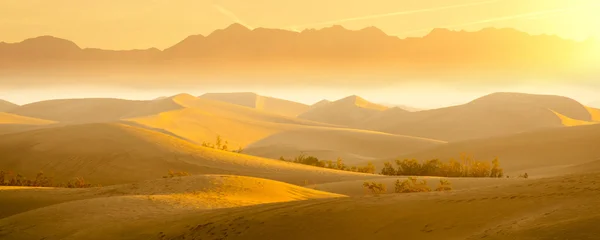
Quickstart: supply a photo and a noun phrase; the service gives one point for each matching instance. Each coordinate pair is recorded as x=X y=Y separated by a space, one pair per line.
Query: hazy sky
x=127 y=24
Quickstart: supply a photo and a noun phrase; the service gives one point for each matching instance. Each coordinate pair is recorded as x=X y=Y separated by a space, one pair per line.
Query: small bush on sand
x=444 y=185
x=173 y=174
x=411 y=185
x=375 y=188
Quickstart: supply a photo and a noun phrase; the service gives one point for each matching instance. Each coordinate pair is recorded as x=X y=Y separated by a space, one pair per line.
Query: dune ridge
x=8 y=118
x=113 y=153
x=253 y=100
x=525 y=152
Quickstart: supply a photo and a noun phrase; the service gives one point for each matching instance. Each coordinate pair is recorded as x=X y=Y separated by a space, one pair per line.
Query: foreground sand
x=233 y=207
x=104 y=213
x=556 y=208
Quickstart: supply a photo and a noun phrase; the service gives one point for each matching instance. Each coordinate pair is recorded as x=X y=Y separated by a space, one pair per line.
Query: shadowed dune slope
x=492 y=115
x=331 y=143
x=103 y=211
x=348 y=111
x=555 y=208
x=267 y=104
x=107 y=153
x=526 y=151
x=7 y=106
x=93 y=109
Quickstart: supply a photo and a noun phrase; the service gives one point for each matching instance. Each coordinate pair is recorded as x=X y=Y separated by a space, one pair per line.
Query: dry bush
x=444 y=185
x=173 y=174
x=411 y=185
x=465 y=167
x=7 y=178
x=375 y=188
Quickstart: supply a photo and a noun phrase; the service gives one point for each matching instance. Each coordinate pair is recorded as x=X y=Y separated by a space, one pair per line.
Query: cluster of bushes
x=172 y=174
x=409 y=185
x=220 y=145
x=10 y=179
x=466 y=167
x=338 y=164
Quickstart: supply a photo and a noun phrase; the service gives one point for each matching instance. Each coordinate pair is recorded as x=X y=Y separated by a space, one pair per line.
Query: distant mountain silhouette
x=238 y=49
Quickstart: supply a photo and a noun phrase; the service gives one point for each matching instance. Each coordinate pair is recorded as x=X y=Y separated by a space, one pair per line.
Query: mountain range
x=239 y=50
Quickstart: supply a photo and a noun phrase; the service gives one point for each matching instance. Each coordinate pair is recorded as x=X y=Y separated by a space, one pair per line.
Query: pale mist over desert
x=329 y=119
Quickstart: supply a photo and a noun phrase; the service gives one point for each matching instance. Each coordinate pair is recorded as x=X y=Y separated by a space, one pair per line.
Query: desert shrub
x=370 y=168
x=78 y=182
x=465 y=167
x=375 y=188
x=7 y=178
x=444 y=185
x=172 y=174
x=338 y=164
x=408 y=167
x=388 y=169
x=496 y=171
x=411 y=185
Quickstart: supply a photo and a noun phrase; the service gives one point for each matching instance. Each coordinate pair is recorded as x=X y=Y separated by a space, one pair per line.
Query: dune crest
x=6 y=106
x=348 y=111
x=267 y=104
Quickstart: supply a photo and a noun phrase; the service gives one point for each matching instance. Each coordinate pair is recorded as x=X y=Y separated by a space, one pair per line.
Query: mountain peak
x=50 y=41
x=237 y=27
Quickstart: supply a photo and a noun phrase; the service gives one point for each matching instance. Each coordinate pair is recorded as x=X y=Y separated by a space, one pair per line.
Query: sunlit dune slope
x=325 y=143
x=116 y=153
x=555 y=208
x=519 y=153
x=93 y=110
x=102 y=212
x=8 y=118
x=570 y=122
x=594 y=113
x=492 y=115
x=270 y=135
x=6 y=106
x=267 y=104
x=348 y=111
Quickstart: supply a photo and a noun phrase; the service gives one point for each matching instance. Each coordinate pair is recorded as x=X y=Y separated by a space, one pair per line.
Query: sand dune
x=570 y=122
x=348 y=111
x=353 y=146
x=106 y=153
x=492 y=115
x=554 y=208
x=267 y=104
x=594 y=113
x=528 y=151
x=102 y=212
x=6 y=106
x=7 y=118
x=271 y=135
x=93 y=109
